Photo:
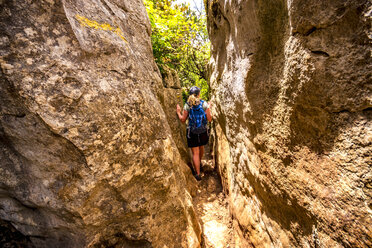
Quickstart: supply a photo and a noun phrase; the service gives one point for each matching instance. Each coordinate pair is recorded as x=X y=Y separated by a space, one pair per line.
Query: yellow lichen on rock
x=99 y=161
x=100 y=26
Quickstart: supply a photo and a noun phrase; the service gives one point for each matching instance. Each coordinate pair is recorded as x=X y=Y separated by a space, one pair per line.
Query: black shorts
x=195 y=140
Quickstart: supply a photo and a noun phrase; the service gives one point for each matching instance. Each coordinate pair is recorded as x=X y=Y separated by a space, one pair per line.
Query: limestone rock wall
x=291 y=85
x=87 y=157
x=169 y=98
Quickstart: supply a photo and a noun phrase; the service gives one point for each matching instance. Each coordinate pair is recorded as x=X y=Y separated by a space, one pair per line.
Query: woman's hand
x=178 y=109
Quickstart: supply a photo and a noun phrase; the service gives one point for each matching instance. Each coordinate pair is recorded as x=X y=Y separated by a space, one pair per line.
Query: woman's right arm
x=208 y=112
x=183 y=116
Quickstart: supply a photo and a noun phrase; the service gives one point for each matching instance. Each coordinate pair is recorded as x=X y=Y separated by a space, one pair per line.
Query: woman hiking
x=198 y=113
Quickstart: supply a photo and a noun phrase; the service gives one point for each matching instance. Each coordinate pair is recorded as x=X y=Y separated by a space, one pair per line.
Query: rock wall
x=291 y=83
x=87 y=155
x=169 y=97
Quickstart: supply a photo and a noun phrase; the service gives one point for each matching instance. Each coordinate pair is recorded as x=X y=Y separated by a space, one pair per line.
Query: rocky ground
x=212 y=208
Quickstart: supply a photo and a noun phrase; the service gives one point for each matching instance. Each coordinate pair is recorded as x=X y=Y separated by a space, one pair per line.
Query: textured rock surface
x=292 y=91
x=169 y=98
x=87 y=156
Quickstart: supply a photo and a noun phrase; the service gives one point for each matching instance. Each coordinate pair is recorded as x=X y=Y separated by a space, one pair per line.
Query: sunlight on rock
x=215 y=233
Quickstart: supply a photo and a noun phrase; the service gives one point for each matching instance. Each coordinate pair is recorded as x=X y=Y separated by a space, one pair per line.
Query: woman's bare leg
x=196 y=159
x=201 y=152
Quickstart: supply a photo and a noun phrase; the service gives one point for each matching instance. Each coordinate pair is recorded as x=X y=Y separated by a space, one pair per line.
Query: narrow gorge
x=92 y=153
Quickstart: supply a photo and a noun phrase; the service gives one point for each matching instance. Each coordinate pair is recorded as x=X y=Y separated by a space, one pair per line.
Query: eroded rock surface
x=292 y=92
x=87 y=154
x=169 y=98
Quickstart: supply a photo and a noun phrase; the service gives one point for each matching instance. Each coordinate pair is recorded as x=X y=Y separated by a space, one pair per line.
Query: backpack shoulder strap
x=188 y=105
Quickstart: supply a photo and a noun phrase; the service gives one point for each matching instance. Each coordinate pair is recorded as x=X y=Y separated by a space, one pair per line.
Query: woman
x=198 y=113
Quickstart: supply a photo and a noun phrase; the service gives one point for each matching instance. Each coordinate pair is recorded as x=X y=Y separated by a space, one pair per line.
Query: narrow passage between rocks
x=212 y=209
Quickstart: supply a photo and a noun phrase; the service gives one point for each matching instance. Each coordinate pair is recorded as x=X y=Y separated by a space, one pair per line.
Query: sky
x=193 y=3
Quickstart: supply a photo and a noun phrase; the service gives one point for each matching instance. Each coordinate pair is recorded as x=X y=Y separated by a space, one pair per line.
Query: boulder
x=88 y=157
x=290 y=82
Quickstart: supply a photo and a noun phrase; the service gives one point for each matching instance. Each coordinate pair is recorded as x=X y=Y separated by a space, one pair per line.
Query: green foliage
x=180 y=41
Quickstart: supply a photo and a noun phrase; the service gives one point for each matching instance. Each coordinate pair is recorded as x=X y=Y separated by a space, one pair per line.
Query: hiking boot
x=191 y=168
x=198 y=177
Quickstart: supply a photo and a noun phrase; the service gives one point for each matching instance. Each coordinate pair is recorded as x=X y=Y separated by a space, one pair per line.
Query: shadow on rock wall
x=299 y=131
